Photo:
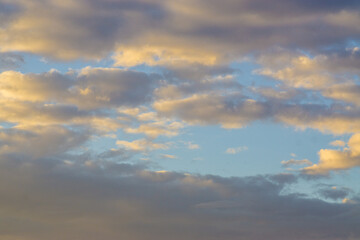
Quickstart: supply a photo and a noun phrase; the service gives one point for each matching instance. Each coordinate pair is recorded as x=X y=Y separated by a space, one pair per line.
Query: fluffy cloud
x=333 y=160
x=71 y=98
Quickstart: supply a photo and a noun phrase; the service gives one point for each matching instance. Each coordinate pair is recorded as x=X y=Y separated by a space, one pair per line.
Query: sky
x=201 y=119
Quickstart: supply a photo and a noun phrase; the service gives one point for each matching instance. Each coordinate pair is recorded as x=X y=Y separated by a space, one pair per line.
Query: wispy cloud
x=236 y=150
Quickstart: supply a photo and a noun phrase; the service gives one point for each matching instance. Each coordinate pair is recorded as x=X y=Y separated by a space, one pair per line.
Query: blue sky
x=152 y=119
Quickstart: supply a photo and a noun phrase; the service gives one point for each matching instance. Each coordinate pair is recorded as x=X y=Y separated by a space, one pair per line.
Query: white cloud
x=236 y=150
x=141 y=145
x=168 y=156
x=192 y=146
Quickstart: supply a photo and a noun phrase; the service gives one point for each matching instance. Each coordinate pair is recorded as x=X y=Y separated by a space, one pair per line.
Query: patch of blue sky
x=5 y=125
x=37 y=64
x=265 y=146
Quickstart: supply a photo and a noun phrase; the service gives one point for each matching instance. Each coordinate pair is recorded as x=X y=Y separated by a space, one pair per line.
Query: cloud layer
x=56 y=200
x=80 y=150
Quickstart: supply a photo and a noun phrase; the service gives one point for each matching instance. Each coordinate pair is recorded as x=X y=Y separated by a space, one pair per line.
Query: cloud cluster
x=148 y=31
x=68 y=140
x=56 y=98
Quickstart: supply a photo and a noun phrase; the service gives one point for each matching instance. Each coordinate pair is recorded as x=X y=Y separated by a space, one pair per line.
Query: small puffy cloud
x=338 y=143
x=335 y=160
x=236 y=150
x=294 y=162
x=155 y=129
x=141 y=145
x=191 y=145
x=168 y=156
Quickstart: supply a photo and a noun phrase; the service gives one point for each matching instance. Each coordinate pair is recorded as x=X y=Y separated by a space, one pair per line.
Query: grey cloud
x=227 y=30
x=195 y=72
x=231 y=111
x=118 y=154
x=10 y=60
x=113 y=87
x=72 y=98
x=40 y=142
x=295 y=162
x=42 y=201
x=334 y=193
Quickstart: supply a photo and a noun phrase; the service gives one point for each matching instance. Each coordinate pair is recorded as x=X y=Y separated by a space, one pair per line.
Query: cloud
x=105 y=87
x=86 y=98
x=45 y=87
x=107 y=200
x=141 y=145
x=40 y=142
x=149 y=123
x=326 y=71
x=338 y=143
x=168 y=156
x=335 y=160
x=236 y=150
x=295 y=162
x=54 y=187
x=192 y=146
x=231 y=111
x=336 y=119
x=9 y=60
x=148 y=31
x=334 y=192
x=157 y=128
